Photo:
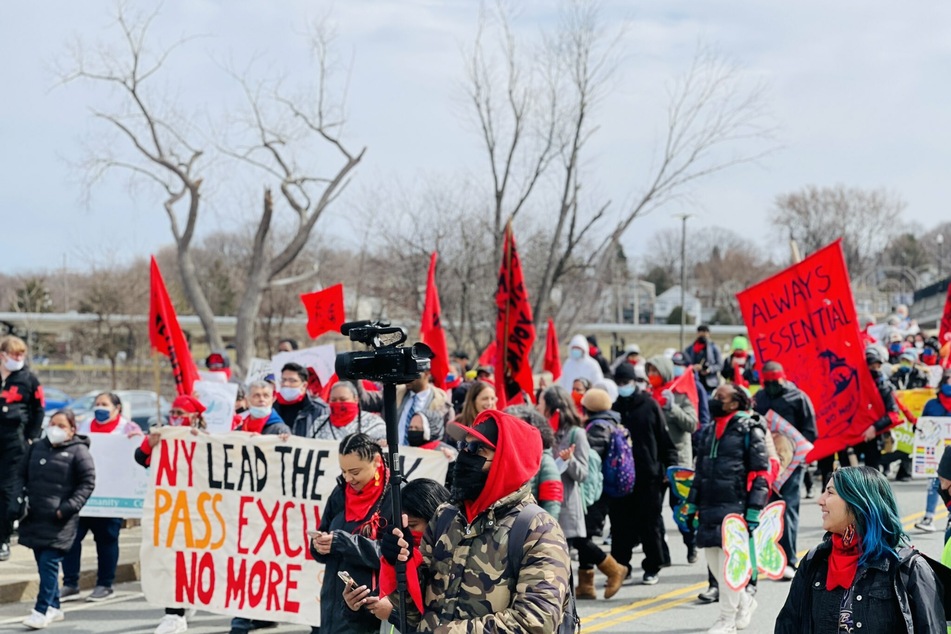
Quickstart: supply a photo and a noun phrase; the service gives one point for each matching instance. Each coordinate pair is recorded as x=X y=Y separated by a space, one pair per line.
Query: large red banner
x=944 y=331
x=514 y=328
x=804 y=318
x=166 y=335
x=430 y=330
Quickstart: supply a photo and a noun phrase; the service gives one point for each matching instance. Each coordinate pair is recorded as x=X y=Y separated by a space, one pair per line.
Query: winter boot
x=585 y=589
x=615 y=573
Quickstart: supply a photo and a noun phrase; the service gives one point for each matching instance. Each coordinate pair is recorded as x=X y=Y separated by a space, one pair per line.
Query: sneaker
x=712 y=595
x=172 y=624
x=723 y=626
x=745 y=612
x=926 y=524
x=36 y=621
x=810 y=494
x=68 y=593
x=99 y=593
x=54 y=614
x=4 y=552
x=649 y=580
x=692 y=555
x=789 y=573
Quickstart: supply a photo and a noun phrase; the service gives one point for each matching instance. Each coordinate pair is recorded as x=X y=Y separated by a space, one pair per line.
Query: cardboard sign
x=219 y=399
x=257 y=370
x=320 y=358
x=768 y=558
x=121 y=482
x=791 y=445
x=932 y=435
x=226 y=517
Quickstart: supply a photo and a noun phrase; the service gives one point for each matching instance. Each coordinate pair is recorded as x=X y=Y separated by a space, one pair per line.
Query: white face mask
x=56 y=435
x=290 y=393
x=12 y=364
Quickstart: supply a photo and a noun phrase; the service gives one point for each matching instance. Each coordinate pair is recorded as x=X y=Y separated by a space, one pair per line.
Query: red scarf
x=699 y=346
x=738 y=369
x=104 y=428
x=555 y=420
x=843 y=563
x=388 y=575
x=342 y=413
x=721 y=423
x=254 y=425
x=283 y=401
x=945 y=402
x=359 y=503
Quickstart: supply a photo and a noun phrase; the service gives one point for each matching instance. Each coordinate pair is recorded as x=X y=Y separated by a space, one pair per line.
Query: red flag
x=514 y=328
x=944 y=332
x=431 y=332
x=552 y=357
x=686 y=384
x=166 y=335
x=804 y=318
x=488 y=355
x=324 y=310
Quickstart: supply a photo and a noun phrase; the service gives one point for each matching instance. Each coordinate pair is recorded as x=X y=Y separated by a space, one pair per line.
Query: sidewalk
x=19 y=580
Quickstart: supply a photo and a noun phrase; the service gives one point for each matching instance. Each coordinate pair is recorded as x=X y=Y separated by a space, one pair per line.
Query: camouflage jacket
x=462 y=574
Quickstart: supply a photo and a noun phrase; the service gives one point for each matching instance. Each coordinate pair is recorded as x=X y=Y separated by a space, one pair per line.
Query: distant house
x=666 y=302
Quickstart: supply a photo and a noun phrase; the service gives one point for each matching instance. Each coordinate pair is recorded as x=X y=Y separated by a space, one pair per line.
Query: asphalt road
x=670 y=606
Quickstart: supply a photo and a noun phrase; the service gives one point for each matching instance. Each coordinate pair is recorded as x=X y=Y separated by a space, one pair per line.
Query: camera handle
x=396 y=486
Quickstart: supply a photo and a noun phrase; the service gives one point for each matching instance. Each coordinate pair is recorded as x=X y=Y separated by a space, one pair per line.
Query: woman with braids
x=346 y=541
x=862 y=577
x=731 y=476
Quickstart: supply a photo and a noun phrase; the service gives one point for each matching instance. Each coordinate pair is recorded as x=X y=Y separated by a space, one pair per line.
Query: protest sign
x=320 y=358
x=257 y=370
x=121 y=482
x=804 y=318
x=218 y=399
x=791 y=446
x=226 y=519
x=213 y=376
x=759 y=550
x=932 y=435
x=910 y=402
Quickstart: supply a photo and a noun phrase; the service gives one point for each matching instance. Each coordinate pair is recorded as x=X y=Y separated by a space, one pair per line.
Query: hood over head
x=579 y=341
x=664 y=366
x=518 y=455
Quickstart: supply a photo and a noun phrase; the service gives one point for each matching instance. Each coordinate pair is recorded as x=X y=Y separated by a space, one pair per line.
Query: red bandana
x=104 y=428
x=360 y=502
x=342 y=413
x=843 y=563
x=721 y=423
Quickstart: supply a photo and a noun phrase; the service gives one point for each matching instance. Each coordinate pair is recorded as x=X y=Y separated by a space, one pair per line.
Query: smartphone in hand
x=346 y=578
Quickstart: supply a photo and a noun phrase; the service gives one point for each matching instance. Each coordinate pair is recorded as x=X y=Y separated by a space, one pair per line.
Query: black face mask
x=773 y=388
x=415 y=437
x=876 y=374
x=717 y=409
x=469 y=478
x=240 y=410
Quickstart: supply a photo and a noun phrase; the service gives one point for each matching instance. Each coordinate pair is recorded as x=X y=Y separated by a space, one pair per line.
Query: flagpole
x=501 y=348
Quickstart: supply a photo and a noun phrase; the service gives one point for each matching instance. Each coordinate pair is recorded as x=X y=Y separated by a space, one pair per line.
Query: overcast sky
x=859 y=91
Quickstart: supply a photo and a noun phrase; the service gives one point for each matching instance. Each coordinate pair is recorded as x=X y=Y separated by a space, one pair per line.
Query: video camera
x=388 y=361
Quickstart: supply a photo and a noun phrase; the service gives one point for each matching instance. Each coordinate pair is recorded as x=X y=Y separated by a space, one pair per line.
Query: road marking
x=636 y=613
x=86 y=605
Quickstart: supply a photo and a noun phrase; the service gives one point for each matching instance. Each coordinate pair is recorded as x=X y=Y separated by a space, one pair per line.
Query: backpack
x=618 y=465
x=593 y=485
x=570 y=621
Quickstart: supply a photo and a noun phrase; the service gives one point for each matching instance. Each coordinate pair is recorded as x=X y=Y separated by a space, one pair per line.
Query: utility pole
x=683 y=274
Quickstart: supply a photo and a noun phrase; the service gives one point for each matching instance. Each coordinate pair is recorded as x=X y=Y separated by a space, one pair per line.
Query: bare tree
x=865 y=219
x=276 y=130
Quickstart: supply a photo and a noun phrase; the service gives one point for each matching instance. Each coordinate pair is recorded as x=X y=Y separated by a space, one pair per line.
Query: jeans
x=105 y=530
x=47 y=564
x=790 y=493
x=931 y=502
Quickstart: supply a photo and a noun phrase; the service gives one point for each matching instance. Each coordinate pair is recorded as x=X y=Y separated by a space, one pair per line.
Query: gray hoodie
x=679 y=412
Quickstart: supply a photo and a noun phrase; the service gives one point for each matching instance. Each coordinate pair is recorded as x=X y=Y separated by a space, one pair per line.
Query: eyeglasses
x=474 y=446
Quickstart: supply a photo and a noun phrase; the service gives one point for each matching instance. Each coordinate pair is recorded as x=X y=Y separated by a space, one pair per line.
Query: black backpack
x=570 y=622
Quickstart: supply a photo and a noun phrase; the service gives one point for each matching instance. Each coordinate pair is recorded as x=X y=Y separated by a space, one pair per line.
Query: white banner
x=218 y=399
x=320 y=358
x=226 y=520
x=932 y=435
x=121 y=482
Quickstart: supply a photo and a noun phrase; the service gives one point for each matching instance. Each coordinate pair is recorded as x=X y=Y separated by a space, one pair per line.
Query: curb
x=18 y=591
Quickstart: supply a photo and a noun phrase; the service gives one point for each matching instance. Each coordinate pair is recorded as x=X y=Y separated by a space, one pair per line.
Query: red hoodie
x=518 y=455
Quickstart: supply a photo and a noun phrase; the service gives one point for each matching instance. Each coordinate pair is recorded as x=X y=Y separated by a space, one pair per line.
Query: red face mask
x=945 y=402
x=576 y=397
x=343 y=413
x=417 y=537
x=655 y=380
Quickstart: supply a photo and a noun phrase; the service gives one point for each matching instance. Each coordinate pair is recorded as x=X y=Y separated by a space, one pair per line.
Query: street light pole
x=940 y=240
x=683 y=274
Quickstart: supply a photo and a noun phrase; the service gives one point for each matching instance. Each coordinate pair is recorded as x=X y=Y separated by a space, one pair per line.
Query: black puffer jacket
x=60 y=479
x=21 y=403
x=651 y=445
x=885 y=602
x=720 y=482
x=792 y=404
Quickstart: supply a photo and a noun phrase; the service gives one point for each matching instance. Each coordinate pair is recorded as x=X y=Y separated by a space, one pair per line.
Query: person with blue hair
x=863 y=576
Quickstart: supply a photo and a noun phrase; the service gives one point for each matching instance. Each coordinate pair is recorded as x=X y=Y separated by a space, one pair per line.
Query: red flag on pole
x=687 y=384
x=431 y=332
x=552 y=357
x=944 y=332
x=804 y=318
x=166 y=335
x=514 y=328
x=488 y=355
x=324 y=310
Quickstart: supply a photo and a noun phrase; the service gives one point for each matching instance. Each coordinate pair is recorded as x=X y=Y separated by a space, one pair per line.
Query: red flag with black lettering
x=431 y=332
x=804 y=318
x=514 y=329
x=944 y=332
x=166 y=335
x=552 y=356
x=325 y=310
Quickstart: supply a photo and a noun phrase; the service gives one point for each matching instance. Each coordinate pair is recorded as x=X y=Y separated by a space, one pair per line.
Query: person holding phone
x=346 y=540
